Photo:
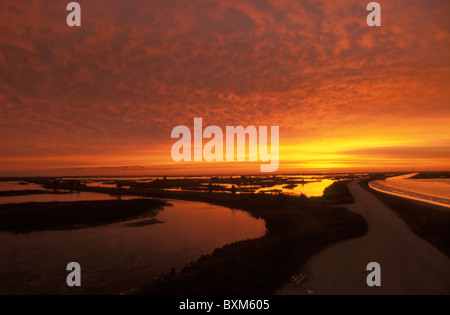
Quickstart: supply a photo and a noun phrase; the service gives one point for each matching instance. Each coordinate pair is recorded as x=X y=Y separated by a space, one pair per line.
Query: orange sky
x=103 y=99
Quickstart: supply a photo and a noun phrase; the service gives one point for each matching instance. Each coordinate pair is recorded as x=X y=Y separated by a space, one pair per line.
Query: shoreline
x=428 y=221
x=425 y=201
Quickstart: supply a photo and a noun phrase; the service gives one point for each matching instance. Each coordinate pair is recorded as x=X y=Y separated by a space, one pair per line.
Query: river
x=117 y=257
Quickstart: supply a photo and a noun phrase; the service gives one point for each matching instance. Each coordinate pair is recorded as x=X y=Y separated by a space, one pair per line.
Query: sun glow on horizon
x=104 y=99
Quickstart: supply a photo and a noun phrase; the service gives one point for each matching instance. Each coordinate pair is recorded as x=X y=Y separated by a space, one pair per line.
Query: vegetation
x=338 y=193
x=431 y=175
x=33 y=216
x=11 y=193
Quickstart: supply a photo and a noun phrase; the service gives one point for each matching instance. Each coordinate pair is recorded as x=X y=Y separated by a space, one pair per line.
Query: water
x=106 y=179
x=434 y=191
x=15 y=185
x=74 y=196
x=310 y=189
x=101 y=184
x=116 y=257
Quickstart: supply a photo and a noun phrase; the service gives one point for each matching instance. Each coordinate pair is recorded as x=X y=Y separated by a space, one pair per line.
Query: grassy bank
x=296 y=229
x=429 y=222
x=33 y=216
x=262 y=265
x=338 y=193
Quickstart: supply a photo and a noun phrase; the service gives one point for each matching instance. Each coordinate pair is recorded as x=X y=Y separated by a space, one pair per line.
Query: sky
x=102 y=99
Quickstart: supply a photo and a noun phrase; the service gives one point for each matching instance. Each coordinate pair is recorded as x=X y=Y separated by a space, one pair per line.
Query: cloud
x=404 y=152
x=136 y=69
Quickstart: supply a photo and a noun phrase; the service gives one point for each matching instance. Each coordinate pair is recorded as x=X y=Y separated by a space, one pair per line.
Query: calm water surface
x=116 y=257
x=15 y=185
x=310 y=189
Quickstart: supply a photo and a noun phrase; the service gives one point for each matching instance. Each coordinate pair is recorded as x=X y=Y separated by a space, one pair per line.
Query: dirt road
x=409 y=265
